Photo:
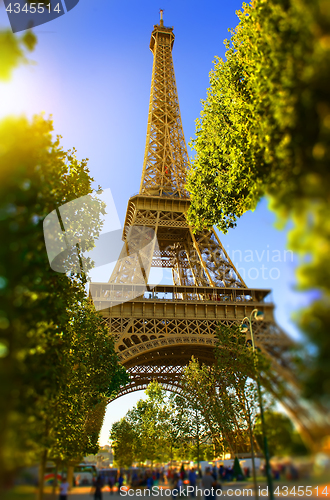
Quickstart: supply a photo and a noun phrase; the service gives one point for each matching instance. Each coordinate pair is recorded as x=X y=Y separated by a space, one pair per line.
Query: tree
x=189 y=433
x=263 y=125
x=283 y=439
x=12 y=51
x=149 y=428
x=237 y=470
x=199 y=384
x=123 y=441
x=238 y=367
x=159 y=429
x=315 y=322
x=57 y=365
x=150 y=419
x=88 y=375
x=265 y=130
x=227 y=393
x=57 y=362
x=221 y=404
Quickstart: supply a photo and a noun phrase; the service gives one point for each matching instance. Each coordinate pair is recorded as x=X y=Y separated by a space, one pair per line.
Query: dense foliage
x=58 y=366
x=265 y=125
x=283 y=439
x=124 y=442
x=160 y=428
x=227 y=396
x=265 y=130
x=226 y=393
x=57 y=363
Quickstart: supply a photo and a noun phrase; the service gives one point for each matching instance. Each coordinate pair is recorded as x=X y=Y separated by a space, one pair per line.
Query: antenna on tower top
x=161 y=17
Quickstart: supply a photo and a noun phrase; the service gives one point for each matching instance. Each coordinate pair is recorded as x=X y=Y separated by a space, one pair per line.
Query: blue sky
x=92 y=73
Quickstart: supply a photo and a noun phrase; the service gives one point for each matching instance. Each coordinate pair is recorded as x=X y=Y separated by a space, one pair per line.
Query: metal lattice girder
x=134 y=263
x=166 y=159
x=196 y=258
x=186 y=318
x=140 y=377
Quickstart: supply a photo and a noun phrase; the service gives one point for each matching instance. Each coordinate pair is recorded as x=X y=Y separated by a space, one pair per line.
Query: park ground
x=234 y=490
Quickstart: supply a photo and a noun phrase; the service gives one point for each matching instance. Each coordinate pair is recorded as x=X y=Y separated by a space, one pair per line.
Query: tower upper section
x=165 y=160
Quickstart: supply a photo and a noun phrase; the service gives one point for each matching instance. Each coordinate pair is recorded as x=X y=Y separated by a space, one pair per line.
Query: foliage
x=237 y=470
x=159 y=429
x=282 y=437
x=237 y=364
x=199 y=384
x=149 y=428
x=213 y=413
x=265 y=130
x=264 y=125
x=315 y=322
x=123 y=439
x=150 y=419
x=236 y=361
x=57 y=364
x=12 y=51
x=88 y=375
x=190 y=433
x=220 y=406
x=226 y=393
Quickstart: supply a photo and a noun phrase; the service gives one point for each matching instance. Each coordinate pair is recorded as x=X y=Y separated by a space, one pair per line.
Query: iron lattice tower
x=157 y=332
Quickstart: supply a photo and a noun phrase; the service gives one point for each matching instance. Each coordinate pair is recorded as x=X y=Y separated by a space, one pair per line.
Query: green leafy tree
x=57 y=363
x=88 y=375
x=199 y=384
x=237 y=470
x=57 y=360
x=148 y=425
x=161 y=428
x=237 y=367
x=150 y=418
x=227 y=393
x=188 y=428
x=265 y=130
x=218 y=404
x=283 y=439
x=13 y=51
x=123 y=440
x=315 y=322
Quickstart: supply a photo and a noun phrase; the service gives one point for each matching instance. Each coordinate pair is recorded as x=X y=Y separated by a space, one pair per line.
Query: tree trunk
x=2 y=477
x=55 y=480
x=198 y=442
x=70 y=476
x=252 y=456
x=42 y=469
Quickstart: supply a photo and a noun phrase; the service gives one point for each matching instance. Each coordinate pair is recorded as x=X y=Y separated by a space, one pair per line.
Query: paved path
x=233 y=490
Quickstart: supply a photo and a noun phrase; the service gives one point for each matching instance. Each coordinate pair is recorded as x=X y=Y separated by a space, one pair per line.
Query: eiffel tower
x=162 y=326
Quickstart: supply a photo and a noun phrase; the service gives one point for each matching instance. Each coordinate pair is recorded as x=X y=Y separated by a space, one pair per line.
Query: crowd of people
x=175 y=479
x=172 y=478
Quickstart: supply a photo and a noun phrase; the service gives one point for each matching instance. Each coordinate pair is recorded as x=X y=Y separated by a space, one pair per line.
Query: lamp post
x=258 y=315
